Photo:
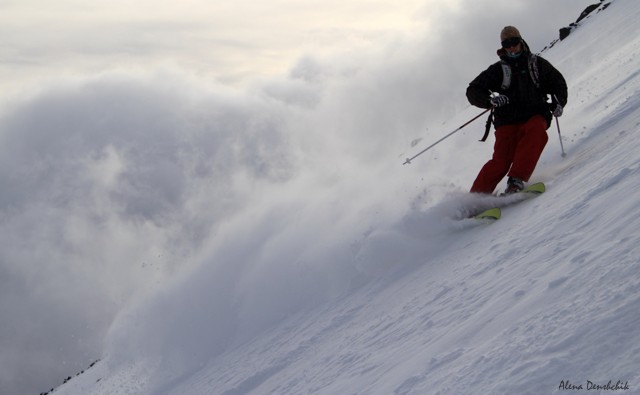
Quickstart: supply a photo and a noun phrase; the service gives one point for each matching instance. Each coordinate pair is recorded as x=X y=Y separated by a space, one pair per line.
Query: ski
x=495 y=213
x=492 y=214
x=534 y=189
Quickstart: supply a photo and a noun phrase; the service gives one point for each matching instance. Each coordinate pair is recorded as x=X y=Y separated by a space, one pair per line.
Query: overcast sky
x=227 y=41
x=233 y=42
x=125 y=153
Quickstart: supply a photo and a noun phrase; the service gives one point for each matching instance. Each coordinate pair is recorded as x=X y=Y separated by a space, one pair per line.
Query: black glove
x=557 y=112
x=499 y=101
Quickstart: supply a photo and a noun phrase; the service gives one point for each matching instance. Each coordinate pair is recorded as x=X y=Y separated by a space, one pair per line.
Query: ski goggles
x=511 y=42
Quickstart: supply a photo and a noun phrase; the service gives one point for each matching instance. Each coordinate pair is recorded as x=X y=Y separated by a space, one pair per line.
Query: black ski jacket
x=525 y=98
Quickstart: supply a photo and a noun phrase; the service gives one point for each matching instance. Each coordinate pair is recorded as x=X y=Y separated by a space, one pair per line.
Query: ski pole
x=445 y=137
x=559 y=135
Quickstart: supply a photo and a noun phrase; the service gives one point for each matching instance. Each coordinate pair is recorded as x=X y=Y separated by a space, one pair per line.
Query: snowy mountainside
x=547 y=296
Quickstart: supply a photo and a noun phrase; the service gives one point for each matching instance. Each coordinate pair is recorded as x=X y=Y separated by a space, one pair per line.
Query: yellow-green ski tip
x=492 y=213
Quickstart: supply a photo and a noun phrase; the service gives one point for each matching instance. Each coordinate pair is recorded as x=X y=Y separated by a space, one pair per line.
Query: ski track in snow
x=550 y=292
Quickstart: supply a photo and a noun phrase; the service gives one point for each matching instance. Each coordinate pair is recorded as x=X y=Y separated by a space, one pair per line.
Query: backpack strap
x=533 y=70
x=506 y=75
x=487 y=128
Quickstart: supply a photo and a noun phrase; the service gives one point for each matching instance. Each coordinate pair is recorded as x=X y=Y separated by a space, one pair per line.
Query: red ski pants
x=516 y=152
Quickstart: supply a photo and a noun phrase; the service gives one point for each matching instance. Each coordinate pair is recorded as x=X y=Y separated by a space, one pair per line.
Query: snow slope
x=418 y=303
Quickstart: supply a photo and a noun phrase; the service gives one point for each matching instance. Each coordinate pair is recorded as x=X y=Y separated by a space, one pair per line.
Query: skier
x=516 y=88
